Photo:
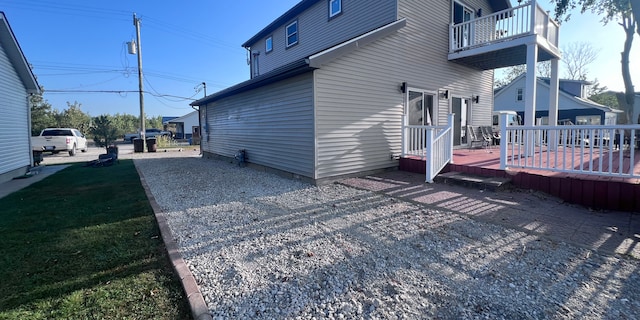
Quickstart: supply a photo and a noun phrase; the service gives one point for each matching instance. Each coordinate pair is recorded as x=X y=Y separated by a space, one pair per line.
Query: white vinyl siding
x=425 y=47
x=14 y=123
x=359 y=111
x=359 y=105
x=317 y=33
x=273 y=123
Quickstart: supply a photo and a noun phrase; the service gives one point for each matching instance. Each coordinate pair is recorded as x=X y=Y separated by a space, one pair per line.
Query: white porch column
x=553 y=104
x=530 y=97
x=530 y=88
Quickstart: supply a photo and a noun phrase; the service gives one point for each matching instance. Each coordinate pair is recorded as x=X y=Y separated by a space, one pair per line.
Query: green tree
x=154 y=122
x=607 y=98
x=75 y=118
x=103 y=132
x=125 y=123
x=72 y=117
x=41 y=114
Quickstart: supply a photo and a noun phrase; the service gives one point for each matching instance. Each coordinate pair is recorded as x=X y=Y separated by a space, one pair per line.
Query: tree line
x=44 y=116
x=103 y=129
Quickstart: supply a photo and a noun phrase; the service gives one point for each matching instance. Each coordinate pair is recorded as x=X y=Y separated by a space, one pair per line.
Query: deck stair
x=473 y=181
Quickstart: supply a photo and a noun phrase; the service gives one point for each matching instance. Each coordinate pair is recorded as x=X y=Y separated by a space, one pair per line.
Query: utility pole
x=204 y=86
x=136 y=22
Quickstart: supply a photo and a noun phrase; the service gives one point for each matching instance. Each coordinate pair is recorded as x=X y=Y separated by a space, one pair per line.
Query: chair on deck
x=494 y=136
x=475 y=138
x=487 y=136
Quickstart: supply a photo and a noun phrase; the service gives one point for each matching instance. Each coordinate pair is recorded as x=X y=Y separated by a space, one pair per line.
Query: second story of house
x=312 y=26
x=315 y=25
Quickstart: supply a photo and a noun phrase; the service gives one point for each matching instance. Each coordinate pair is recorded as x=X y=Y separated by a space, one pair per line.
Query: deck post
x=552 y=140
x=504 y=141
x=429 y=156
x=530 y=96
x=450 y=118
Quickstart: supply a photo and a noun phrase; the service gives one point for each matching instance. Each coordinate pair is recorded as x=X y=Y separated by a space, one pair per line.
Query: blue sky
x=81 y=46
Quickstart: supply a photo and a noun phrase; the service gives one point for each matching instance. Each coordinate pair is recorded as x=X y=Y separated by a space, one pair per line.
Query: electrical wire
x=70 y=69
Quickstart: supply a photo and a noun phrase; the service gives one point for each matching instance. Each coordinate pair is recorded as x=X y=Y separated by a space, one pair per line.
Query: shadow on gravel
x=269 y=247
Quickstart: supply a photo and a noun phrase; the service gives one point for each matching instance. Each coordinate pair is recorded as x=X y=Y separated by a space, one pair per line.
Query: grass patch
x=84 y=244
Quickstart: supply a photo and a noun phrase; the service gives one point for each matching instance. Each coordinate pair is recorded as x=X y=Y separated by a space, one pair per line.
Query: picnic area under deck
x=595 y=191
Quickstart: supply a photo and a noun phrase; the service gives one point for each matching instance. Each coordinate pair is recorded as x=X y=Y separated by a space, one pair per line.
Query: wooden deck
x=594 y=191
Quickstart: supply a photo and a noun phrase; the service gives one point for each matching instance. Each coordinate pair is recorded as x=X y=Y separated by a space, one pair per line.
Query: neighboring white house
x=185 y=125
x=17 y=83
x=332 y=83
x=573 y=105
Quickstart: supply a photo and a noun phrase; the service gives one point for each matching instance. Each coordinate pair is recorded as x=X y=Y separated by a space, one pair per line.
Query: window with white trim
x=519 y=94
x=292 y=34
x=268 y=44
x=335 y=8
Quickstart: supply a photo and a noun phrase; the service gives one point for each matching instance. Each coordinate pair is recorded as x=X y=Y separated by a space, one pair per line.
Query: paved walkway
x=36 y=174
x=533 y=212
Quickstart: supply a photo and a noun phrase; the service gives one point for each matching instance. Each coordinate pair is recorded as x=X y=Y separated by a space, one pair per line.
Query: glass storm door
x=460 y=109
x=462 y=14
x=420 y=108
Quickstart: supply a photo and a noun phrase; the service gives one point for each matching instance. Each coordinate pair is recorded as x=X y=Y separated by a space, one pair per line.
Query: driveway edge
x=199 y=309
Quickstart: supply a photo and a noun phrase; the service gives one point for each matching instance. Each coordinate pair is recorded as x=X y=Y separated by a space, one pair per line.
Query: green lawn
x=84 y=244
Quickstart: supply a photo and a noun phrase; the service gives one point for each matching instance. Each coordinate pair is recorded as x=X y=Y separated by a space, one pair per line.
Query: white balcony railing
x=611 y=151
x=527 y=19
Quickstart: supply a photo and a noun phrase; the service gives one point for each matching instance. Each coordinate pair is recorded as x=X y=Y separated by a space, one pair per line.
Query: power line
x=155 y=94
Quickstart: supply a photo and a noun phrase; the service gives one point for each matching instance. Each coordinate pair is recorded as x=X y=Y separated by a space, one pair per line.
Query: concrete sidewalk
x=36 y=174
x=532 y=212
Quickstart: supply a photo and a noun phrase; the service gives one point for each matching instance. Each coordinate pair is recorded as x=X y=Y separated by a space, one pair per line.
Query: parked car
x=148 y=133
x=56 y=140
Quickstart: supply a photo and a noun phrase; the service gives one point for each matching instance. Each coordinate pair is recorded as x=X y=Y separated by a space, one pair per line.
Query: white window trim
x=286 y=31
x=266 y=46
x=434 y=116
x=331 y=13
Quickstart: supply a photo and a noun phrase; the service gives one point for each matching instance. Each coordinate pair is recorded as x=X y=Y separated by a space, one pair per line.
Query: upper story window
x=268 y=44
x=335 y=8
x=519 y=94
x=292 y=34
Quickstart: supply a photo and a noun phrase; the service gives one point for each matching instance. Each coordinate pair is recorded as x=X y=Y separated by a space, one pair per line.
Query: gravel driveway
x=266 y=247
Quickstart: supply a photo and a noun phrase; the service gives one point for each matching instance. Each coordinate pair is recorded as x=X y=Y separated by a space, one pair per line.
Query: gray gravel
x=266 y=247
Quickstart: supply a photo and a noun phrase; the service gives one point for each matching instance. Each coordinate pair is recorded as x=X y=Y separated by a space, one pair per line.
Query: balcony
x=500 y=39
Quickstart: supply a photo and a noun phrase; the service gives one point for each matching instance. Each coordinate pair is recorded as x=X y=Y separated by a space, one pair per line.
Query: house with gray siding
x=17 y=83
x=573 y=104
x=333 y=82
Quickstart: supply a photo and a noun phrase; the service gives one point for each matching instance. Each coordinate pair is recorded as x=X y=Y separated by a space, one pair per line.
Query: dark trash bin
x=37 y=157
x=138 y=145
x=152 y=145
x=113 y=150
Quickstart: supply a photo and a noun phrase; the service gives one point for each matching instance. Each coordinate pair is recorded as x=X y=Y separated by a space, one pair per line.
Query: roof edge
x=293 y=69
x=284 y=18
x=17 y=57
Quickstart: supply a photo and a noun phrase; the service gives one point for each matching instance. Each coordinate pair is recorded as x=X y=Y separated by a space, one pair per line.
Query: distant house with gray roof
x=573 y=105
